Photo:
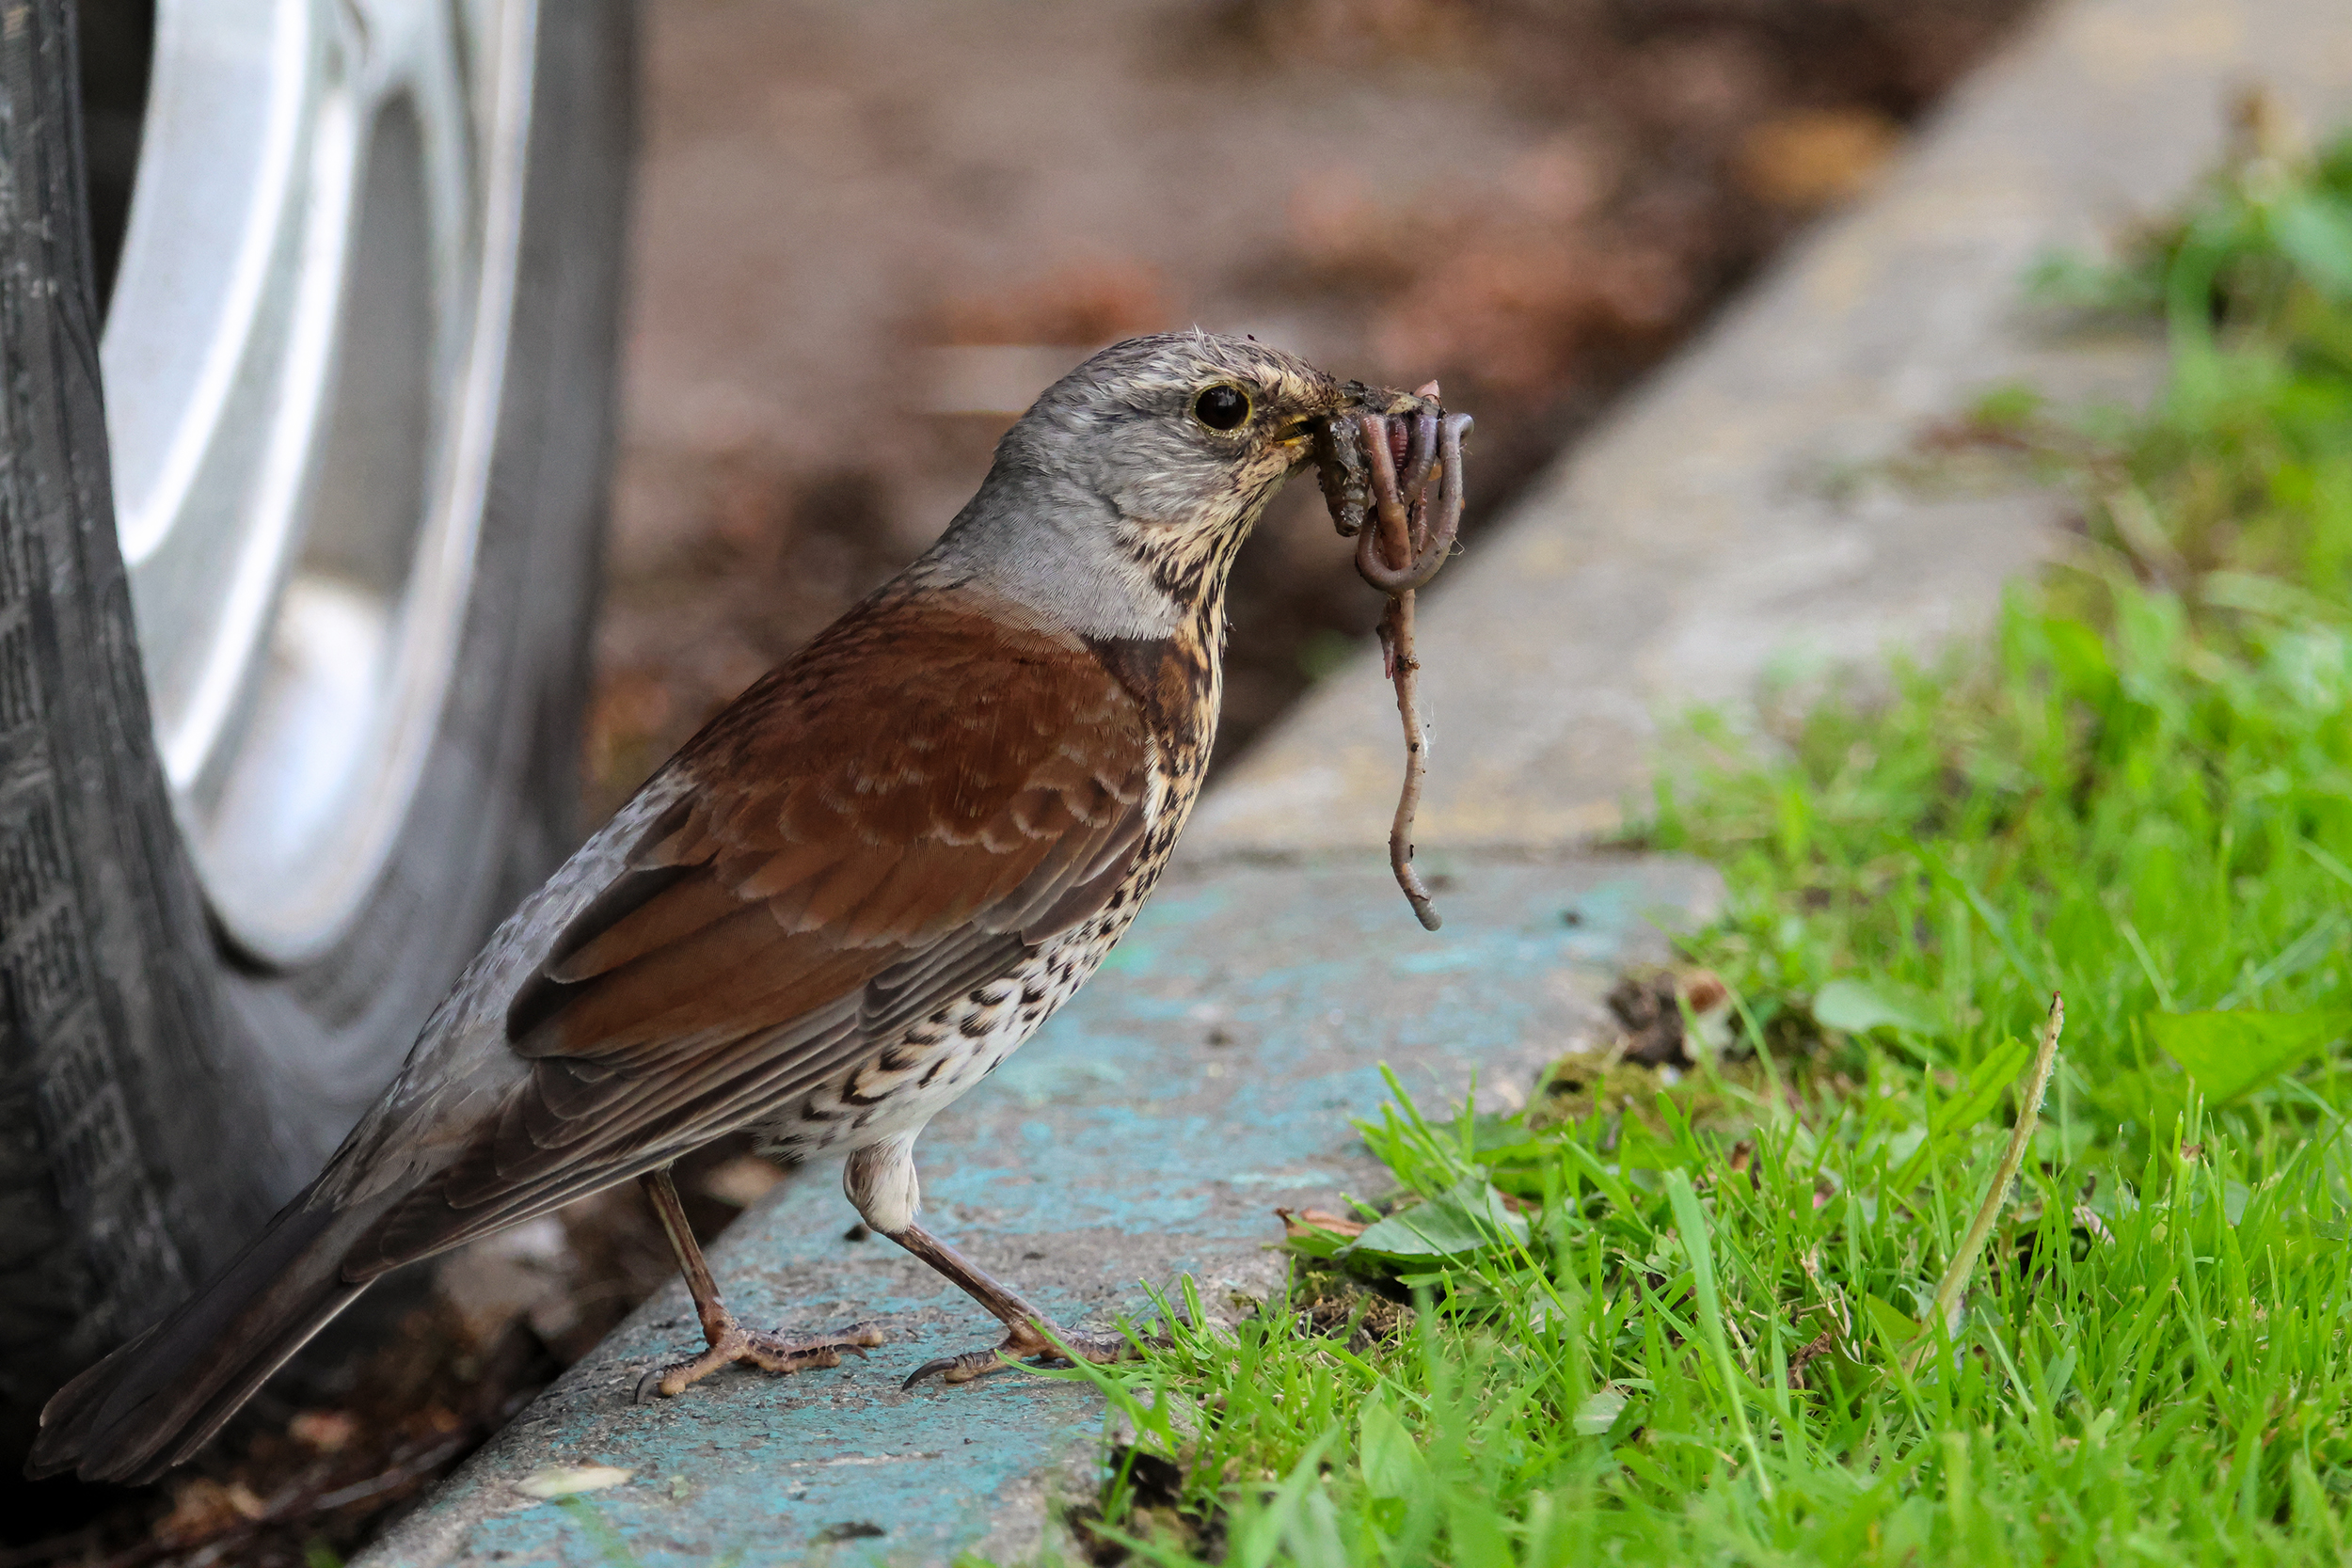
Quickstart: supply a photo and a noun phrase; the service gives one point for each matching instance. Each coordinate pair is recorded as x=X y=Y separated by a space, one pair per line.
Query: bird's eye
x=1221 y=407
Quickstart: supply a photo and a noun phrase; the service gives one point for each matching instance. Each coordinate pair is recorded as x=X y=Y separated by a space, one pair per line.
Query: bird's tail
x=156 y=1400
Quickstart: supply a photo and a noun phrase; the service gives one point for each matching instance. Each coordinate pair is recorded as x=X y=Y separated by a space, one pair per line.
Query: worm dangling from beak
x=1376 y=462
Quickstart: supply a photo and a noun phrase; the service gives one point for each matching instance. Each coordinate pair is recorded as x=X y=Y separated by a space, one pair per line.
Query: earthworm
x=1374 y=468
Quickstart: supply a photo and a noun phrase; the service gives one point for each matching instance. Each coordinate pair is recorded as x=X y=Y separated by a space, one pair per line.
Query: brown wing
x=893 y=819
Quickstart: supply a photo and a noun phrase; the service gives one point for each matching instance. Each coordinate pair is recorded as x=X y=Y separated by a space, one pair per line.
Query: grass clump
x=1704 y=1328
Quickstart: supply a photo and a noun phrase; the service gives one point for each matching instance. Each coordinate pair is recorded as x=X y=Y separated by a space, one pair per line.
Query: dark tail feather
x=156 y=1400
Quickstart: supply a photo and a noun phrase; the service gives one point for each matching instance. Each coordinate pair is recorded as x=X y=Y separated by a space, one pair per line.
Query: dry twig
x=1963 y=1263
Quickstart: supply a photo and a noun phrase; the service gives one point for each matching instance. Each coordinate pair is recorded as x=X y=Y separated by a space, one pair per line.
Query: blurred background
x=869 y=233
x=866 y=232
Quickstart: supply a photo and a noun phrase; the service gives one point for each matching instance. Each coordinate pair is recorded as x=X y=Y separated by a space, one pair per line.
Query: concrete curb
x=1211 y=1072
x=1713 y=527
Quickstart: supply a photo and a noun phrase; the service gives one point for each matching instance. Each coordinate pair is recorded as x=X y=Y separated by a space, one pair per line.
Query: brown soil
x=845 y=204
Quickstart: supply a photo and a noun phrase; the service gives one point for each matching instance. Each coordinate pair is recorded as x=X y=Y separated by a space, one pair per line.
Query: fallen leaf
x=567 y=1481
x=1599 y=1412
x=202 y=1508
x=1471 y=1217
x=1307 y=1222
x=1858 y=1007
x=326 y=1431
x=1813 y=157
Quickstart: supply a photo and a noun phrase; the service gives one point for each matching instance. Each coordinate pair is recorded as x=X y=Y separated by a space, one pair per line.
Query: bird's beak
x=1299 y=434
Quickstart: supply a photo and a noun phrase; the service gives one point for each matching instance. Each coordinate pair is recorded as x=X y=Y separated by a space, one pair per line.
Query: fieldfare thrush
x=854 y=893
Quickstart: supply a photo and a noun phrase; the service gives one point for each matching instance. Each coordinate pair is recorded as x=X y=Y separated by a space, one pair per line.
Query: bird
x=838 y=907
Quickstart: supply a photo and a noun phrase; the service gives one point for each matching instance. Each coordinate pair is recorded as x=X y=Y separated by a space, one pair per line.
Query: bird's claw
x=1024 y=1344
x=770 y=1353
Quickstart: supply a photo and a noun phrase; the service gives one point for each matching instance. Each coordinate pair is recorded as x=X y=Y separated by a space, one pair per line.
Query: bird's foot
x=1025 y=1343
x=770 y=1353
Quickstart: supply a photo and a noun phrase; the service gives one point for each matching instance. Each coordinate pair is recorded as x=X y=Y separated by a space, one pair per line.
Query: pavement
x=1736 y=520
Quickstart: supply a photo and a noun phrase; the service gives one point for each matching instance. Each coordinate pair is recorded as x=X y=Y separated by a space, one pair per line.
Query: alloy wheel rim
x=303 y=355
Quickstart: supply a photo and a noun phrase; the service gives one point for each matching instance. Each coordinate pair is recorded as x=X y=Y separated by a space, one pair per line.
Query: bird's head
x=1117 y=502
x=1182 y=433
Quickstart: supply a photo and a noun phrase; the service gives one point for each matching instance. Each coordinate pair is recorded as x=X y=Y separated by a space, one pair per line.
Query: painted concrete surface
x=1206 y=1076
x=1726 y=520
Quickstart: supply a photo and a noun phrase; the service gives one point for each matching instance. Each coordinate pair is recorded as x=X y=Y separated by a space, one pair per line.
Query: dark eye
x=1221 y=407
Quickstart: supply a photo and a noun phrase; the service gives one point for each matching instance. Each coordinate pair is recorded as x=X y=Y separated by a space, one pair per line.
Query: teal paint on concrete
x=1148 y=1132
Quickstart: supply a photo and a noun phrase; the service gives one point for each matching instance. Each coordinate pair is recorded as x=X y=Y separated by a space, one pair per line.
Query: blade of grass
x=1690 y=1222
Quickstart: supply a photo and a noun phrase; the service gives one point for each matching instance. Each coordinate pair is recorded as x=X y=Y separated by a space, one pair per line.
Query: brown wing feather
x=889 y=821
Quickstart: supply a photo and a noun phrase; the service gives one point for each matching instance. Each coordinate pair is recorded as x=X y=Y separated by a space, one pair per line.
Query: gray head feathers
x=1115 y=506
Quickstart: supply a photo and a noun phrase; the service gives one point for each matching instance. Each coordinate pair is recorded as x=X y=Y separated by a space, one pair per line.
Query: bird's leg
x=729 y=1341
x=1028 y=1332
x=881 y=1181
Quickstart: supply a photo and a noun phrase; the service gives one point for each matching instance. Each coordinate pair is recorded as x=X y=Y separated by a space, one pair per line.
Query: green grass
x=1684 y=1323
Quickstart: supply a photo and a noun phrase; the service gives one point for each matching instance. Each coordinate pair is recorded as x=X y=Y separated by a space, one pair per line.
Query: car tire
x=161 y=1091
